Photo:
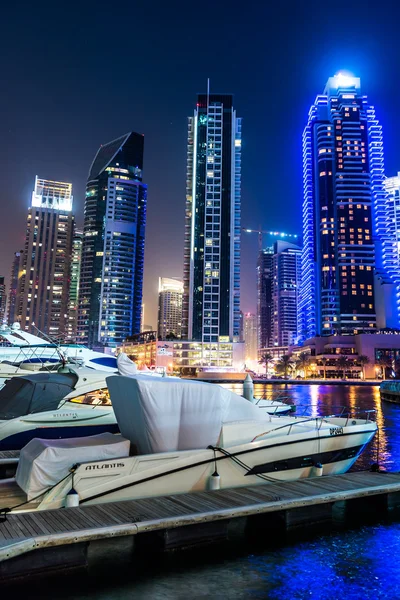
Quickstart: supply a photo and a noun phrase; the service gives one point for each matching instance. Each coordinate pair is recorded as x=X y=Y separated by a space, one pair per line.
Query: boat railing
x=318 y=422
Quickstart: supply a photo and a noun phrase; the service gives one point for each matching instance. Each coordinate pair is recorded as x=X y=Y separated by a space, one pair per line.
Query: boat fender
x=72 y=498
x=318 y=470
x=215 y=481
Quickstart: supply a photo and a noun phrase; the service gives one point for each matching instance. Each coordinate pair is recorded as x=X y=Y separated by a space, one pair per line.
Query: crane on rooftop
x=262 y=232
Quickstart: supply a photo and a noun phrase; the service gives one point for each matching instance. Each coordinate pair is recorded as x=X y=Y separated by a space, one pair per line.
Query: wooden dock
x=25 y=535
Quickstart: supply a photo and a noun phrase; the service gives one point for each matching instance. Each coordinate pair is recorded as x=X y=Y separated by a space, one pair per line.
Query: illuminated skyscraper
x=211 y=304
x=345 y=235
x=392 y=187
x=170 y=292
x=3 y=300
x=250 y=336
x=75 y=269
x=111 y=278
x=286 y=269
x=16 y=272
x=265 y=298
x=43 y=285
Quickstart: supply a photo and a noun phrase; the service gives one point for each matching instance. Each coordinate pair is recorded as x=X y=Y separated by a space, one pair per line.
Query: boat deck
x=31 y=531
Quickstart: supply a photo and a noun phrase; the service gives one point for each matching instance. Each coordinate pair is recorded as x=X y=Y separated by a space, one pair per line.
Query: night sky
x=76 y=75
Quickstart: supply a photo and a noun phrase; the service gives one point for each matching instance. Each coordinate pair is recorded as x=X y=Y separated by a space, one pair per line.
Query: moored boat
x=187 y=436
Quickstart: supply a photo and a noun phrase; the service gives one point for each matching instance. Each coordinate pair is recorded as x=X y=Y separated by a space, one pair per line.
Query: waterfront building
x=43 y=284
x=286 y=271
x=16 y=272
x=111 y=278
x=265 y=298
x=344 y=201
x=250 y=336
x=75 y=269
x=3 y=300
x=186 y=357
x=170 y=292
x=211 y=301
x=326 y=354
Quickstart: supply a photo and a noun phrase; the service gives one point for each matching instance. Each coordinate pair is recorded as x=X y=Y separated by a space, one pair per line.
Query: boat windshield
x=99 y=397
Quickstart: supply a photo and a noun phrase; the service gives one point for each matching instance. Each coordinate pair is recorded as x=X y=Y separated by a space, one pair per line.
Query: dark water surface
x=356 y=564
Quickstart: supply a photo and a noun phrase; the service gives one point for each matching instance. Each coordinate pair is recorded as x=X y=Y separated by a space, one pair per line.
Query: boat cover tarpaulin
x=43 y=463
x=34 y=393
x=169 y=414
x=125 y=365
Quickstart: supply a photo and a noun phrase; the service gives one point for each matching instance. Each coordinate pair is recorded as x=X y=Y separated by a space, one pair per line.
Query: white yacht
x=27 y=349
x=181 y=436
x=51 y=405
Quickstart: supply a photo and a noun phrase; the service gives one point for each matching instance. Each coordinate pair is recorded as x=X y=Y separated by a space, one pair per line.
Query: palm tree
x=284 y=364
x=342 y=363
x=363 y=360
x=265 y=360
x=302 y=362
x=384 y=362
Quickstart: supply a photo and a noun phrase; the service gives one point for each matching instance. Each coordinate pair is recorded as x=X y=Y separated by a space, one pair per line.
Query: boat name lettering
x=65 y=415
x=336 y=431
x=106 y=466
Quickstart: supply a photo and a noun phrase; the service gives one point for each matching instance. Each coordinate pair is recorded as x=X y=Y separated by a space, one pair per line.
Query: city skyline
x=274 y=79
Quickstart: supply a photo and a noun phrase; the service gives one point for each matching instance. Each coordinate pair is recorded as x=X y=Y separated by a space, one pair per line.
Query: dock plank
x=127 y=517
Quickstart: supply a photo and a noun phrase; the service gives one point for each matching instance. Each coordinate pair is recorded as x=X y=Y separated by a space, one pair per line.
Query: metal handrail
x=322 y=419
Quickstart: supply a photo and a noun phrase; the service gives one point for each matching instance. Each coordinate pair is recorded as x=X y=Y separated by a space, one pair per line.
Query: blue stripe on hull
x=19 y=440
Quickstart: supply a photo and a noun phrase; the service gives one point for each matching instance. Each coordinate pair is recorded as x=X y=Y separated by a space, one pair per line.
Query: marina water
x=358 y=563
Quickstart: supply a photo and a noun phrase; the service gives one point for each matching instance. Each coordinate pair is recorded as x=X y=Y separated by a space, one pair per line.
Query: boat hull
x=167 y=473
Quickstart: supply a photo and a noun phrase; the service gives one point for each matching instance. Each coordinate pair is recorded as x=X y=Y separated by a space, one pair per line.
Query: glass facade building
x=392 y=187
x=170 y=292
x=265 y=298
x=286 y=293
x=75 y=270
x=111 y=278
x=16 y=272
x=211 y=302
x=348 y=259
x=43 y=281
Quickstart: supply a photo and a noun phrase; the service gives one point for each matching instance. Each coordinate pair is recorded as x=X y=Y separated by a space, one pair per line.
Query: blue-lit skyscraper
x=111 y=277
x=211 y=301
x=349 y=266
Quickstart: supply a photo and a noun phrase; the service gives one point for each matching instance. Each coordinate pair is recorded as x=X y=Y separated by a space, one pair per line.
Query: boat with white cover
x=185 y=436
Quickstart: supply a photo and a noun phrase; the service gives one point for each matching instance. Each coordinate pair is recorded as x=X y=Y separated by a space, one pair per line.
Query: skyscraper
x=75 y=269
x=111 y=278
x=170 y=292
x=43 y=286
x=16 y=272
x=250 y=336
x=392 y=187
x=344 y=200
x=286 y=293
x=265 y=298
x=3 y=300
x=211 y=303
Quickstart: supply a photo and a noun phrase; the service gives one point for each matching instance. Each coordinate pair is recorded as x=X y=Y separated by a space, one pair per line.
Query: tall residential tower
x=345 y=232
x=43 y=284
x=170 y=292
x=111 y=278
x=211 y=303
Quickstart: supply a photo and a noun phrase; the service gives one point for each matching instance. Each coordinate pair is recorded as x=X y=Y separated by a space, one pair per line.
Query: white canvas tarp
x=43 y=463
x=169 y=414
x=125 y=365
